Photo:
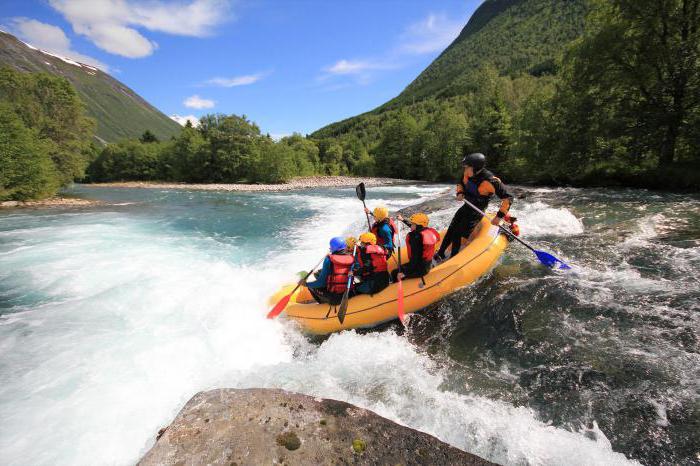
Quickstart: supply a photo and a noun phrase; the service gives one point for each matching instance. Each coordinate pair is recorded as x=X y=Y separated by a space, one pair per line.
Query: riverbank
x=51 y=202
x=306 y=182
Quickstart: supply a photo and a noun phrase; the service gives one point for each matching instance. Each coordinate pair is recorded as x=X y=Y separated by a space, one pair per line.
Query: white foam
x=133 y=319
x=539 y=219
x=387 y=374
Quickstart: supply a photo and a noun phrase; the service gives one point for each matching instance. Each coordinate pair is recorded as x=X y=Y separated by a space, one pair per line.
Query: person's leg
x=381 y=281
x=320 y=295
x=468 y=222
x=364 y=288
x=453 y=232
x=395 y=275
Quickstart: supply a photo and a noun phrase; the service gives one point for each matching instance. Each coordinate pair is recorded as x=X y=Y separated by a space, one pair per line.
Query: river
x=112 y=317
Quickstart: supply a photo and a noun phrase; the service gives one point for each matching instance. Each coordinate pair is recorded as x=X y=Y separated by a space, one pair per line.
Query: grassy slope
x=516 y=36
x=120 y=112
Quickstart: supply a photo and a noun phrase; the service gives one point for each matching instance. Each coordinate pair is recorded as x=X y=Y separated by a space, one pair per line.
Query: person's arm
x=460 y=188
x=320 y=282
x=504 y=195
x=400 y=218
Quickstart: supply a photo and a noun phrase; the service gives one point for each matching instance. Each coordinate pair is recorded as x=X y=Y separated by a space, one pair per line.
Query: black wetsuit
x=479 y=189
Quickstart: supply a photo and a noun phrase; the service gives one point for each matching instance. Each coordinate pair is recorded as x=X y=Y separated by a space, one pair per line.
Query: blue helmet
x=337 y=244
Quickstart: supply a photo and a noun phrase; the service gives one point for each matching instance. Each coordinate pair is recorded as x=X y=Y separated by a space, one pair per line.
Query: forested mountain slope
x=119 y=112
x=514 y=36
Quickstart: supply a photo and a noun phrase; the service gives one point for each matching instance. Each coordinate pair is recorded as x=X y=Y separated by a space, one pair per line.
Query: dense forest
x=619 y=104
x=45 y=137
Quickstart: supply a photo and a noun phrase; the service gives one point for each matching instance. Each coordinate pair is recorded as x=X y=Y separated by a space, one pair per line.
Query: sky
x=288 y=65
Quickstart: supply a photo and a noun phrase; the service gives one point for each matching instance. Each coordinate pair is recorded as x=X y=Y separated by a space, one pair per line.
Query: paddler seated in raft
x=420 y=245
x=372 y=267
x=478 y=186
x=332 y=282
x=383 y=228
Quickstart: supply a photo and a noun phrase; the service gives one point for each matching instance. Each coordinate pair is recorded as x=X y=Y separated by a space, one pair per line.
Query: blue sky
x=289 y=65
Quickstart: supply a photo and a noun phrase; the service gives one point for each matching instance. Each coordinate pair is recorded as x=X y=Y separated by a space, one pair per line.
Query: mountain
x=514 y=36
x=119 y=111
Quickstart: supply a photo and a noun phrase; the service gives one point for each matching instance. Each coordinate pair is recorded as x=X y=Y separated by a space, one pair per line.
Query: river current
x=113 y=316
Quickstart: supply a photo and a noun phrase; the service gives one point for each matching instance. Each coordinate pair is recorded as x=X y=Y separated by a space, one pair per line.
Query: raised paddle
x=544 y=257
x=346 y=295
x=399 y=286
x=279 y=307
x=361 y=193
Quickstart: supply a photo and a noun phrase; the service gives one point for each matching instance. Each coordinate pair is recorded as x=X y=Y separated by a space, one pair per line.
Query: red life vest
x=340 y=270
x=430 y=239
x=372 y=259
x=375 y=230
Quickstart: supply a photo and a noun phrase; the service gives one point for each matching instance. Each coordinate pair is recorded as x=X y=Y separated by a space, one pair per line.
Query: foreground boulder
x=266 y=426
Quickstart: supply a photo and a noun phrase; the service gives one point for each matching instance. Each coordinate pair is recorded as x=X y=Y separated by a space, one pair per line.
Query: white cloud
x=351 y=67
x=183 y=119
x=236 y=80
x=197 y=102
x=432 y=34
x=51 y=39
x=111 y=24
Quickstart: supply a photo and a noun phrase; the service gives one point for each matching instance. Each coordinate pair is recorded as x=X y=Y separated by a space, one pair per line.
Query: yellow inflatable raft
x=474 y=260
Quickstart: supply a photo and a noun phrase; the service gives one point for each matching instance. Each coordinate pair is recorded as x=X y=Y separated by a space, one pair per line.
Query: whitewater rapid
x=111 y=321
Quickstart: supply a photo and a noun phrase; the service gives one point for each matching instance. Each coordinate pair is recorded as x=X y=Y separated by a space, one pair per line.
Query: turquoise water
x=112 y=317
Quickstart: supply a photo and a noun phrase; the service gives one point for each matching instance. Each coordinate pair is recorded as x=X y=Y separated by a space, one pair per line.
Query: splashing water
x=111 y=318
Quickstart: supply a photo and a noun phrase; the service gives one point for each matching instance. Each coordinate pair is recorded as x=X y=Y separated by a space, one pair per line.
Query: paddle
x=399 y=287
x=361 y=193
x=544 y=257
x=279 y=307
x=346 y=295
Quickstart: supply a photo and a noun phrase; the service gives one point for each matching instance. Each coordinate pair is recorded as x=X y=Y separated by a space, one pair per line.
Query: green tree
x=26 y=169
x=637 y=72
x=127 y=160
x=394 y=154
x=148 y=137
x=50 y=106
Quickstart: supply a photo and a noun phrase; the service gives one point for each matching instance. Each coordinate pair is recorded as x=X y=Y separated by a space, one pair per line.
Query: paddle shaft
x=504 y=229
x=282 y=303
x=399 y=299
x=369 y=225
x=307 y=276
x=346 y=295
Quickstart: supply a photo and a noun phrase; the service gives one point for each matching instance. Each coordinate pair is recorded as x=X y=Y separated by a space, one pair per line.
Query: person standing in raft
x=478 y=186
x=420 y=245
x=373 y=268
x=332 y=282
x=383 y=228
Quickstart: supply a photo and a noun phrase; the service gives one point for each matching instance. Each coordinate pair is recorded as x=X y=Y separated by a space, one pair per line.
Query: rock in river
x=269 y=426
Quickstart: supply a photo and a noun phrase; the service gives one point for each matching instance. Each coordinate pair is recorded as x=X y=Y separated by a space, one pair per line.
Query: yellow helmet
x=368 y=238
x=419 y=219
x=350 y=242
x=380 y=213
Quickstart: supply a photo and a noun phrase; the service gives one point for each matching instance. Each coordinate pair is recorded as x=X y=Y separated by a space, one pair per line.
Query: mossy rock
x=359 y=446
x=289 y=440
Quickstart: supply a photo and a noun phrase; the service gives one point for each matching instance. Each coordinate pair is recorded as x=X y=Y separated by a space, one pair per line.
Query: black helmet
x=476 y=160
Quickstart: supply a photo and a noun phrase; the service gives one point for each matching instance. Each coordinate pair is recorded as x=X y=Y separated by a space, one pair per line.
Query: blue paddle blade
x=550 y=261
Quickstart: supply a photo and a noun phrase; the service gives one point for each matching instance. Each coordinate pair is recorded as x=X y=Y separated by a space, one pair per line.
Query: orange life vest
x=380 y=240
x=430 y=238
x=372 y=259
x=341 y=265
